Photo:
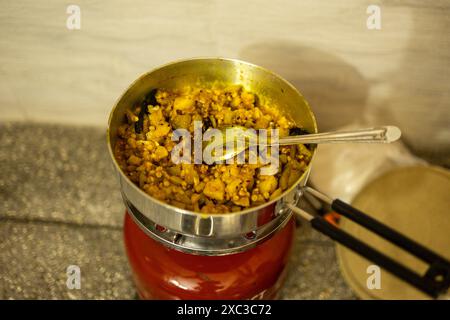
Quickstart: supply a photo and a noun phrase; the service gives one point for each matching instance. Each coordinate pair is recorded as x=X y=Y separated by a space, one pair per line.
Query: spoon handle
x=386 y=134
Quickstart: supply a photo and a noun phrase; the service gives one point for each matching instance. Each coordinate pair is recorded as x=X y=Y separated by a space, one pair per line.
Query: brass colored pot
x=210 y=234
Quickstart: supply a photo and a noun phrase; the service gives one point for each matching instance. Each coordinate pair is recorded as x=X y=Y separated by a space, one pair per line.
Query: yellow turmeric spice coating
x=144 y=146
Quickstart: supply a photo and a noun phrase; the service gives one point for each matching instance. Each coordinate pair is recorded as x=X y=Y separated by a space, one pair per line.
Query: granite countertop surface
x=60 y=205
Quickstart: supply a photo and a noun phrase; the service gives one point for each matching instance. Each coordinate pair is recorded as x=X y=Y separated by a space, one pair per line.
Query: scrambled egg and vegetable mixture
x=144 y=146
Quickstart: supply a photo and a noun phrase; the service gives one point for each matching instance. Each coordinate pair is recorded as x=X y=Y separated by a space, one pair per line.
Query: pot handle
x=434 y=282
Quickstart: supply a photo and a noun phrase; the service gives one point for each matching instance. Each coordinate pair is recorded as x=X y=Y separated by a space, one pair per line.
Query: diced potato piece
x=283 y=123
x=242 y=201
x=135 y=161
x=230 y=173
x=215 y=189
x=181 y=121
x=236 y=101
x=174 y=171
x=268 y=184
x=228 y=116
x=189 y=173
x=160 y=153
x=156 y=116
x=262 y=123
x=199 y=187
x=183 y=104
x=233 y=187
x=161 y=130
x=132 y=143
x=247 y=97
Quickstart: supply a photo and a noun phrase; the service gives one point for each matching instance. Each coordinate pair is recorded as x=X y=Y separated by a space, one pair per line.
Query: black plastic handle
x=373 y=255
x=435 y=281
x=385 y=231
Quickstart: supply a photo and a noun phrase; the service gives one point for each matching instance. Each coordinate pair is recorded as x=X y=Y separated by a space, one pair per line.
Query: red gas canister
x=161 y=272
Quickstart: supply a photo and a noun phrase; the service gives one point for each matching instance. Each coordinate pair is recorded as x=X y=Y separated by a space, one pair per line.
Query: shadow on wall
x=419 y=100
x=335 y=90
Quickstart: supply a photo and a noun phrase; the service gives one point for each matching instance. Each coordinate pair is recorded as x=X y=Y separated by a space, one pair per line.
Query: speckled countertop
x=60 y=205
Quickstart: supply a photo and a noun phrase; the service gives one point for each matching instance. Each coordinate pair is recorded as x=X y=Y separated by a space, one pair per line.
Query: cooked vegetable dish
x=144 y=147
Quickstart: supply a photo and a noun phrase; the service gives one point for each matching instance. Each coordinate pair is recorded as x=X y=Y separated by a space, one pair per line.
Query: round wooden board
x=416 y=202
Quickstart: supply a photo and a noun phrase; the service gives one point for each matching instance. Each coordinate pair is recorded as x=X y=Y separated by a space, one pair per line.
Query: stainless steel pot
x=210 y=234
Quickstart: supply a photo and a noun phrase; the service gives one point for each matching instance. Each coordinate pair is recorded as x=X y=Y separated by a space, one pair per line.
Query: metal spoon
x=384 y=134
